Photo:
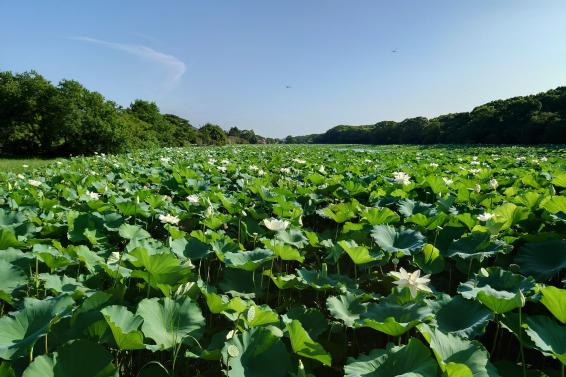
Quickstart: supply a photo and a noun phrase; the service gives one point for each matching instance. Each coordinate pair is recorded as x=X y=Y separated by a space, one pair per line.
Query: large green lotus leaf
x=555 y=301
x=63 y=284
x=476 y=245
x=51 y=256
x=430 y=260
x=510 y=322
x=221 y=303
x=340 y=212
x=162 y=270
x=453 y=351
x=8 y=239
x=394 y=319
x=6 y=370
x=260 y=315
x=293 y=237
x=19 y=332
x=303 y=345
x=509 y=214
x=312 y=319
x=41 y=366
x=133 y=208
x=560 y=181
x=548 y=336
x=359 y=253
x=542 y=260
x=462 y=317
x=320 y=280
x=557 y=206
x=283 y=251
x=124 y=326
x=406 y=241
x=411 y=360
x=11 y=219
x=169 y=322
x=346 y=308
x=191 y=248
x=379 y=215
x=257 y=352
x=133 y=232
x=76 y=358
x=12 y=277
x=501 y=291
x=284 y=281
x=247 y=260
x=409 y=207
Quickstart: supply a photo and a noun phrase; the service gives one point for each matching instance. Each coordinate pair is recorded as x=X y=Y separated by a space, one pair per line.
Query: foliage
x=284 y=261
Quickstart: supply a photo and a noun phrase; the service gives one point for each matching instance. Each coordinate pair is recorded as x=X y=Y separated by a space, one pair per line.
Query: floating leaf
x=303 y=345
x=413 y=359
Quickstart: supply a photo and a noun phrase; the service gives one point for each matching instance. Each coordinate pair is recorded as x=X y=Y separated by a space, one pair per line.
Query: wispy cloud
x=174 y=66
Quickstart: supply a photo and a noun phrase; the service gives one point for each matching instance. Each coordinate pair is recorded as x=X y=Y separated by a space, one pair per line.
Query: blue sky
x=229 y=61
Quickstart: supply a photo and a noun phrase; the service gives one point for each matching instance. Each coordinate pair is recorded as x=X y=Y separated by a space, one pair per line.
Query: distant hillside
x=534 y=119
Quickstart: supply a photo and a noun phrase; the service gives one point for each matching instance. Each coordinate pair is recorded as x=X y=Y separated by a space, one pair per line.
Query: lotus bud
x=324 y=270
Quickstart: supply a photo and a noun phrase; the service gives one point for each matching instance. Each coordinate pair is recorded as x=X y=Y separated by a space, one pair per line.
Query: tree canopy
x=38 y=118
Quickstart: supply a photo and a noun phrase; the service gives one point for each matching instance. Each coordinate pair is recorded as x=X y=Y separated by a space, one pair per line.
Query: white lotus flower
x=475 y=162
x=493 y=183
x=209 y=211
x=224 y=162
x=475 y=171
x=254 y=168
x=433 y=164
x=447 y=181
x=261 y=173
x=211 y=161
x=25 y=166
x=21 y=176
x=165 y=159
x=412 y=280
x=113 y=258
x=93 y=195
x=485 y=216
x=298 y=161
x=285 y=170
x=477 y=188
x=169 y=219
x=402 y=178
x=222 y=169
x=193 y=199
x=275 y=224
x=544 y=159
x=34 y=183
x=321 y=169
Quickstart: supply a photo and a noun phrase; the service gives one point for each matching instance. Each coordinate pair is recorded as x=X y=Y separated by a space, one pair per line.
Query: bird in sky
x=394 y=51
x=288 y=86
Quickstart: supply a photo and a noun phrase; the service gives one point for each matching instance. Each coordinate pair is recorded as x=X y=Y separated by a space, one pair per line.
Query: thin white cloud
x=174 y=66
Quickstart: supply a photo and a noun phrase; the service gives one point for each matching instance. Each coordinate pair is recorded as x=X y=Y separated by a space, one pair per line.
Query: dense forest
x=38 y=118
x=534 y=119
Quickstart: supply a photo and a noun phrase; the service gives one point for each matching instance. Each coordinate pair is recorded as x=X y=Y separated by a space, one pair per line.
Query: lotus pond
x=286 y=261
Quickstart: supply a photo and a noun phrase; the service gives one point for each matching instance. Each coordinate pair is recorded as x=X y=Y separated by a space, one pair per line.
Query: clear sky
x=230 y=61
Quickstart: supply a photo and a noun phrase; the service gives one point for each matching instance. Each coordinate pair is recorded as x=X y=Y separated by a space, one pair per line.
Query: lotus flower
x=275 y=224
x=169 y=219
x=402 y=178
x=34 y=183
x=485 y=216
x=412 y=280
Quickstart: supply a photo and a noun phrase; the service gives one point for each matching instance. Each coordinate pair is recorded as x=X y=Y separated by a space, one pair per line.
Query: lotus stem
x=521 y=343
x=494 y=346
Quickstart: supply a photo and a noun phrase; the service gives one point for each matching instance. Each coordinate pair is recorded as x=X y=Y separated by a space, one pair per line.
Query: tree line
x=534 y=119
x=38 y=118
